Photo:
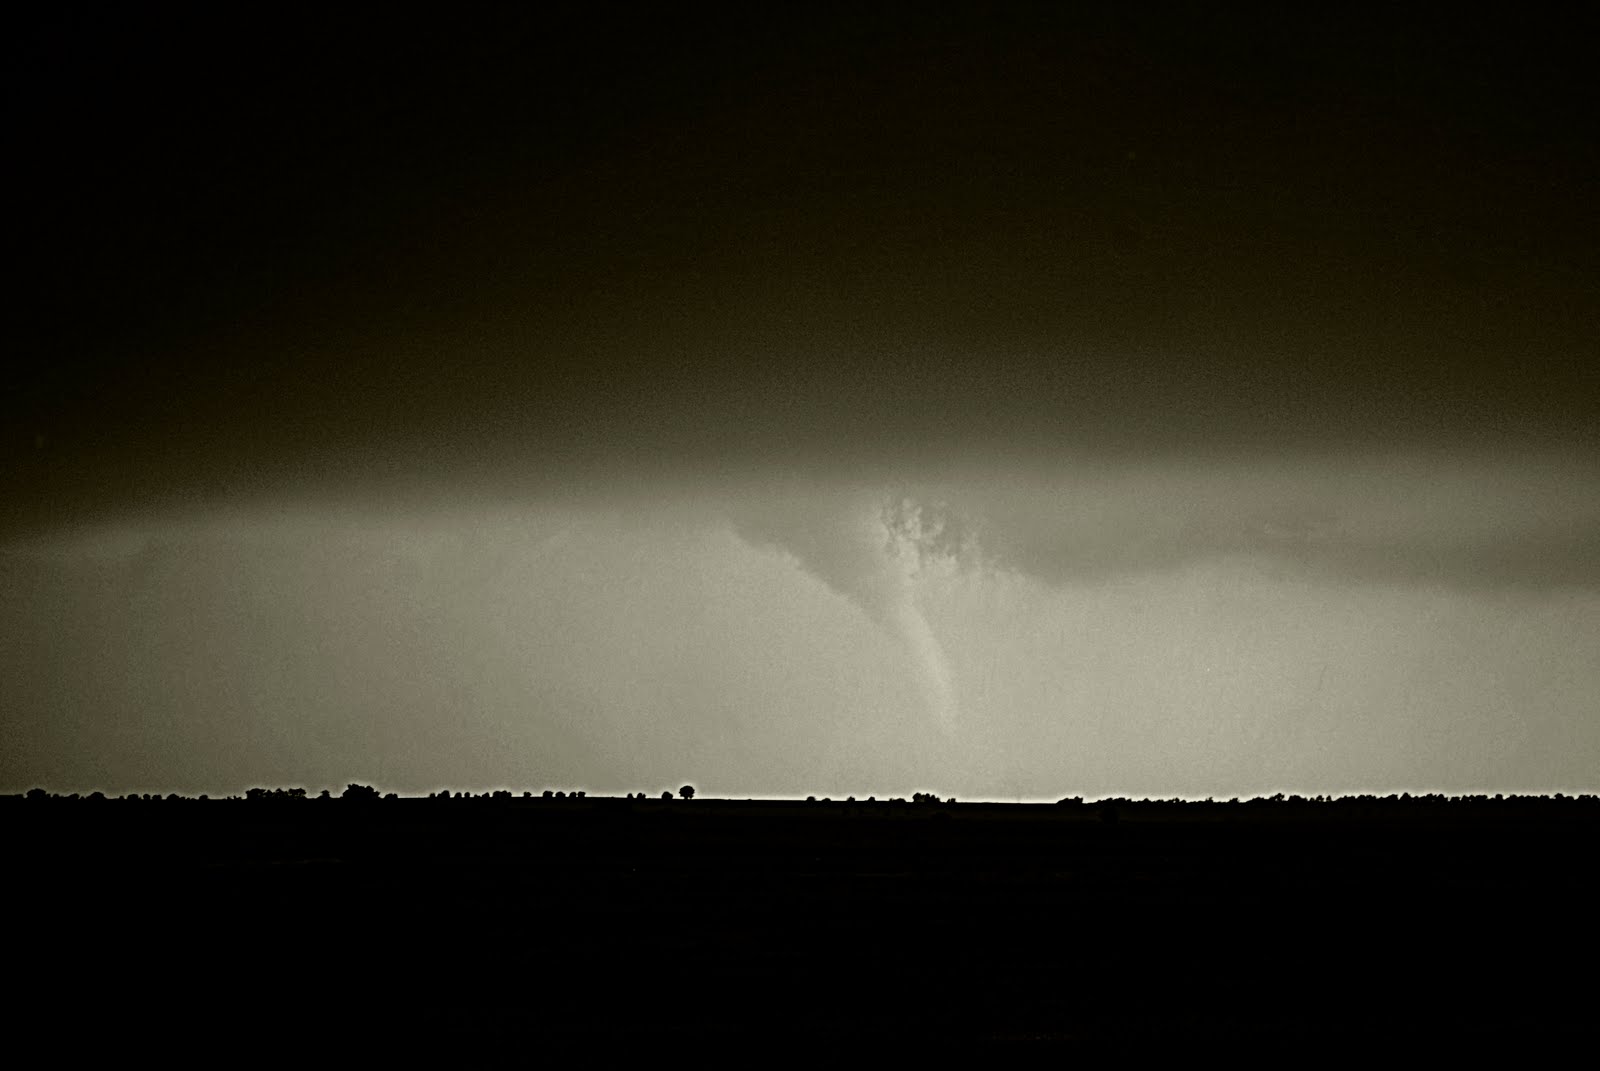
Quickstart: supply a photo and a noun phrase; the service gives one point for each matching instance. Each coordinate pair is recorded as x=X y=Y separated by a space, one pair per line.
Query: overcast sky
x=1001 y=403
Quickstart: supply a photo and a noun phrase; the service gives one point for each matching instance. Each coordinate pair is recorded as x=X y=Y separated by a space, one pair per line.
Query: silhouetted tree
x=275 y=794
x=666 y=795
x=687 y=792
x=359 y=792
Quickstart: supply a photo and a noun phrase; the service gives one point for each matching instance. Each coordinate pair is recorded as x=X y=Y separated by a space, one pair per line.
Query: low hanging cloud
x=1463 y=523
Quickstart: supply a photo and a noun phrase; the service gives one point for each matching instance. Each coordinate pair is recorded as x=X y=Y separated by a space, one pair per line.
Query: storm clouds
x=842 y=402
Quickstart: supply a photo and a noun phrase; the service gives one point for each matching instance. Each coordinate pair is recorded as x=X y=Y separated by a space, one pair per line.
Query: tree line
x=361 y=793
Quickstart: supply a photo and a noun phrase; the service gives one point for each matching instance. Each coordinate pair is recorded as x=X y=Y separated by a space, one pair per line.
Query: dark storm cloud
x=553 y=247
x=1527 y=560
x=1456 y=520
x=1536 y=561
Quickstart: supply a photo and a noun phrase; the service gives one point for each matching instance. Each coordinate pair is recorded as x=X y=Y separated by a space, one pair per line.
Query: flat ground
x=527 y=926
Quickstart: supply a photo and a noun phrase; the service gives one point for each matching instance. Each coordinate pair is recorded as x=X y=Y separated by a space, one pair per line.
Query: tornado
x=845 y=541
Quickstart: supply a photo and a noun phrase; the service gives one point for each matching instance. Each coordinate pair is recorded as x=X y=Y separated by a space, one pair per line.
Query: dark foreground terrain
x=219 y=930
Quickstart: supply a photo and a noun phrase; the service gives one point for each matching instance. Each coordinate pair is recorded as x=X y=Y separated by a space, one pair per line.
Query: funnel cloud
x=848 y=541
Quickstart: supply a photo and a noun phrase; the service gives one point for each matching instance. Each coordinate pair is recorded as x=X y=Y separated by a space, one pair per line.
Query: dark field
x=213 y=929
